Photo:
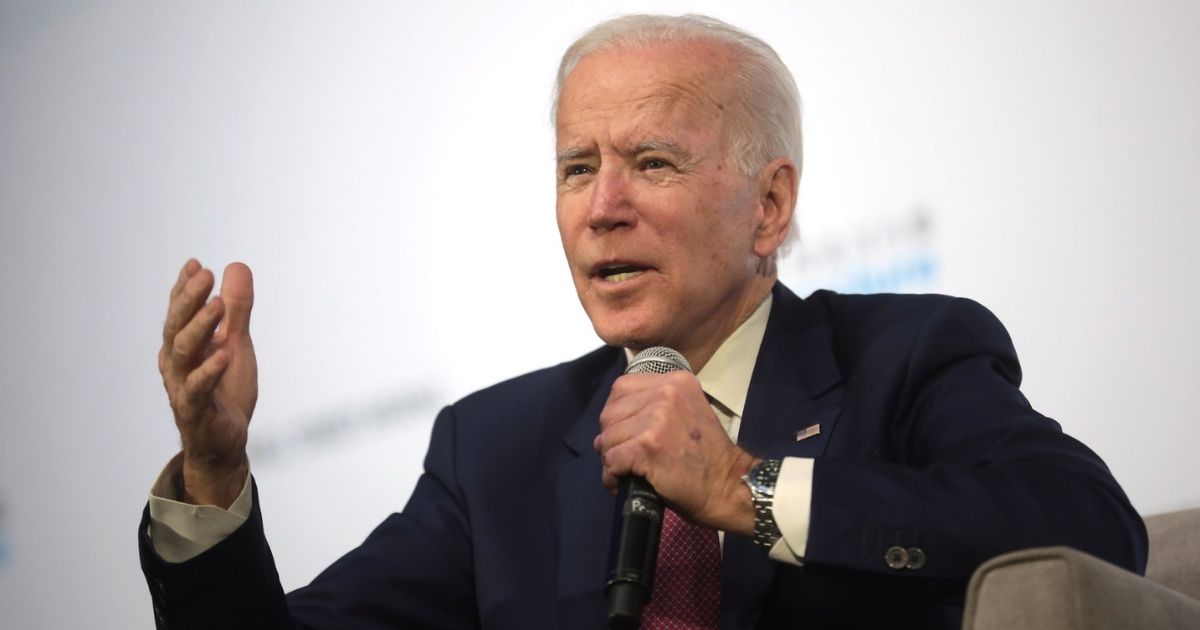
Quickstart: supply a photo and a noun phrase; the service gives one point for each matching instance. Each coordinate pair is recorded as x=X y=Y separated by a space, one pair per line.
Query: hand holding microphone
x=659 y=432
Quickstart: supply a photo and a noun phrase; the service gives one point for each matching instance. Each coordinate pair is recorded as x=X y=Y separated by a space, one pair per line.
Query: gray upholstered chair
x=1061 y=588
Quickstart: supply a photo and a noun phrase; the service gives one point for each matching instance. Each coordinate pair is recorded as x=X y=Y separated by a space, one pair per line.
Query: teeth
x=621 y=277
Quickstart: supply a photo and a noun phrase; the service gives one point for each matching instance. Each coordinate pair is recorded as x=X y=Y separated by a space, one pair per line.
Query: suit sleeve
x=969 y=470
x=414 y=570
x=233 y=584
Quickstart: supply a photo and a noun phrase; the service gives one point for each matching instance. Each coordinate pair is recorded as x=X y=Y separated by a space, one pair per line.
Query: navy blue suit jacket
x=925 y=442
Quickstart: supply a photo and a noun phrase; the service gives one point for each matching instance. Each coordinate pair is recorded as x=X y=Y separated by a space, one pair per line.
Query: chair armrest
x=1174 y=559
x=1061 y=588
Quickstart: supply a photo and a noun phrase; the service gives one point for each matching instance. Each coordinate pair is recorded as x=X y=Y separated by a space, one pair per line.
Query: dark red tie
x=687 y=579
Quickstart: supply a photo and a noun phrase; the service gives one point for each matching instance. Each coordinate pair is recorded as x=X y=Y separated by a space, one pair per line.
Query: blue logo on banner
x=916 y=270
x=892 y=254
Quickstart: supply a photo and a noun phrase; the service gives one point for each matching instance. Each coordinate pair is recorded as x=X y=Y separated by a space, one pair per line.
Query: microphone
x=635 y=545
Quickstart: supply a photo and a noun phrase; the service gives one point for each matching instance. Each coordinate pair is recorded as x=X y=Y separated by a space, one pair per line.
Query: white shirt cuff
x=792 y=509
x=181 y=531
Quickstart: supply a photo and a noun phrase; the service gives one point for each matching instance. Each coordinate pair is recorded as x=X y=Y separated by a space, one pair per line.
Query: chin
x=631 y=325
x=627 y=336
x=620 y=339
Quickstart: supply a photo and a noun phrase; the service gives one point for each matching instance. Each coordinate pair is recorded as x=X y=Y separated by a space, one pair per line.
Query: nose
x=611 y=206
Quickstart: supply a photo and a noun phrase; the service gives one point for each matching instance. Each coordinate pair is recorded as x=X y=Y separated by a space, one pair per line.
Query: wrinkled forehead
x=685 y=82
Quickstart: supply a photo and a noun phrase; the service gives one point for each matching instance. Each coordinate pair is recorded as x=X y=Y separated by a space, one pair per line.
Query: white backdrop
x=386 y=170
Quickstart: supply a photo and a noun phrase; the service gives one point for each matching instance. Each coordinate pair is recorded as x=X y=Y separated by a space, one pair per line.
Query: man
x=899 y=450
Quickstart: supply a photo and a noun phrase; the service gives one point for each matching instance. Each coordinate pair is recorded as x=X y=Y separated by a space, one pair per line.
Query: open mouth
x=620 y=273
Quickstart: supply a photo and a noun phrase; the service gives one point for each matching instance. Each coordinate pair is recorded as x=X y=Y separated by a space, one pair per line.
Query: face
x=658 y=225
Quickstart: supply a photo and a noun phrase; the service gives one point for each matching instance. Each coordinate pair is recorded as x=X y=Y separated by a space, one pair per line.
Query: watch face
x=763 y=476
x=760 y=484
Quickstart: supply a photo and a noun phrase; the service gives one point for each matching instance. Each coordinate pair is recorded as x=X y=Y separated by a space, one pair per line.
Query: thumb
x=237 y=291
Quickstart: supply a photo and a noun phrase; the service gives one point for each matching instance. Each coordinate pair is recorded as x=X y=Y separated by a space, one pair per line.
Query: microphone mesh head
x=658 y=360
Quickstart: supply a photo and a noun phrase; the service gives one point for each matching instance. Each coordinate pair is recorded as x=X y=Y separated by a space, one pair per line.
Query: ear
x=778 y=186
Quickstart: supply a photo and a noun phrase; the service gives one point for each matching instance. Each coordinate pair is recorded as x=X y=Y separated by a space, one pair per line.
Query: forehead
x=678 y=87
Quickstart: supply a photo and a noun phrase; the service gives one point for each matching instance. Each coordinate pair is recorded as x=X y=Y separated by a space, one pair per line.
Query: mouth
x=618 y=272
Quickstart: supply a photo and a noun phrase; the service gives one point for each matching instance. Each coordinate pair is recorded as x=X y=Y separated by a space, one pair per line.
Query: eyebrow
x=666 y=146
x=574 y=153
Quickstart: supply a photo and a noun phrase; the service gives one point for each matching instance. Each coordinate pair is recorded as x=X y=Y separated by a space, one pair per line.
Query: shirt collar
x=726 y=376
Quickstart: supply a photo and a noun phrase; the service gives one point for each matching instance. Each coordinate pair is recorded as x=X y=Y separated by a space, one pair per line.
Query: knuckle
x=683 y=381
x=179 y=405
x=196 y=378
x=180 y=350
x=193 y=283
x=614 y=461
x=189 y=386
x=181 y=301
x=650 y=441
x=609 y=418
x=193 y=397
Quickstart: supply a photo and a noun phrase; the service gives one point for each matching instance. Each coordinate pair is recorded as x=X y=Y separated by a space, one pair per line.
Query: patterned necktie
x=687 y=579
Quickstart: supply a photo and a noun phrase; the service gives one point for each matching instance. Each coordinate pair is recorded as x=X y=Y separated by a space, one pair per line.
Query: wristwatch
x=761 y=481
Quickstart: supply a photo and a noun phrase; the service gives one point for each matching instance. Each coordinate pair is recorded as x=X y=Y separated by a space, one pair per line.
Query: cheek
x=560 y=214
x=567 y=232
x=571 y=210
x=737 y=224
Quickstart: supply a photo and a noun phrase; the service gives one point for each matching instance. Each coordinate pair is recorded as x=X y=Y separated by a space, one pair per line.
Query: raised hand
x=211 y=376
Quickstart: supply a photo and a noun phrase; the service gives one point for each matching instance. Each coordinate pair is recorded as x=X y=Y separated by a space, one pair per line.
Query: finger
x=237 y=291
x=611 y=483
x=195 y=336
x=623 y=405
x=633 y=383
x=620 y=432
x=623 y=402
x=189 y=268
x=202 y=380
x=184 y=306
x=620 y=462
x=629 y=383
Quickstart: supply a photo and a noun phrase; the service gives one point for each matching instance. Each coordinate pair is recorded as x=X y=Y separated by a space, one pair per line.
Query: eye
x=650 y=164
x=576 y=169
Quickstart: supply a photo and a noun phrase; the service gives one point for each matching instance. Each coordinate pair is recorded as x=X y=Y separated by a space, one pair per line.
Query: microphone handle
x=632 y=574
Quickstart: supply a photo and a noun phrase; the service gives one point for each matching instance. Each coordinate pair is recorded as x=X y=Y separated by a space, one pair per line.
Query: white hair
x=765 y=117
x=766 y=109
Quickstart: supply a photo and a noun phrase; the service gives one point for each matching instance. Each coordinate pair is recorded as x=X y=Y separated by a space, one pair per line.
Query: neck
x=699 y=353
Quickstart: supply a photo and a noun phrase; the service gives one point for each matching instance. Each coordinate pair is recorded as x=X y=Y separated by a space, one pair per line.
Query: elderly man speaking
x=833 y=461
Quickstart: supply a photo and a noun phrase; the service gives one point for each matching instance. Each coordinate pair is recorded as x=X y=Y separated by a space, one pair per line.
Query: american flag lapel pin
x=809 y=432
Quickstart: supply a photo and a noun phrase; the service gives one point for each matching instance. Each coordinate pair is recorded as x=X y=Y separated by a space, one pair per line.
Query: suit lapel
x=585 y=512
x=795 y=385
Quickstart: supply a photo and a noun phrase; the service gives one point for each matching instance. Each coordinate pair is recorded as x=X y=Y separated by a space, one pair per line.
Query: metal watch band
x=761 y=481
